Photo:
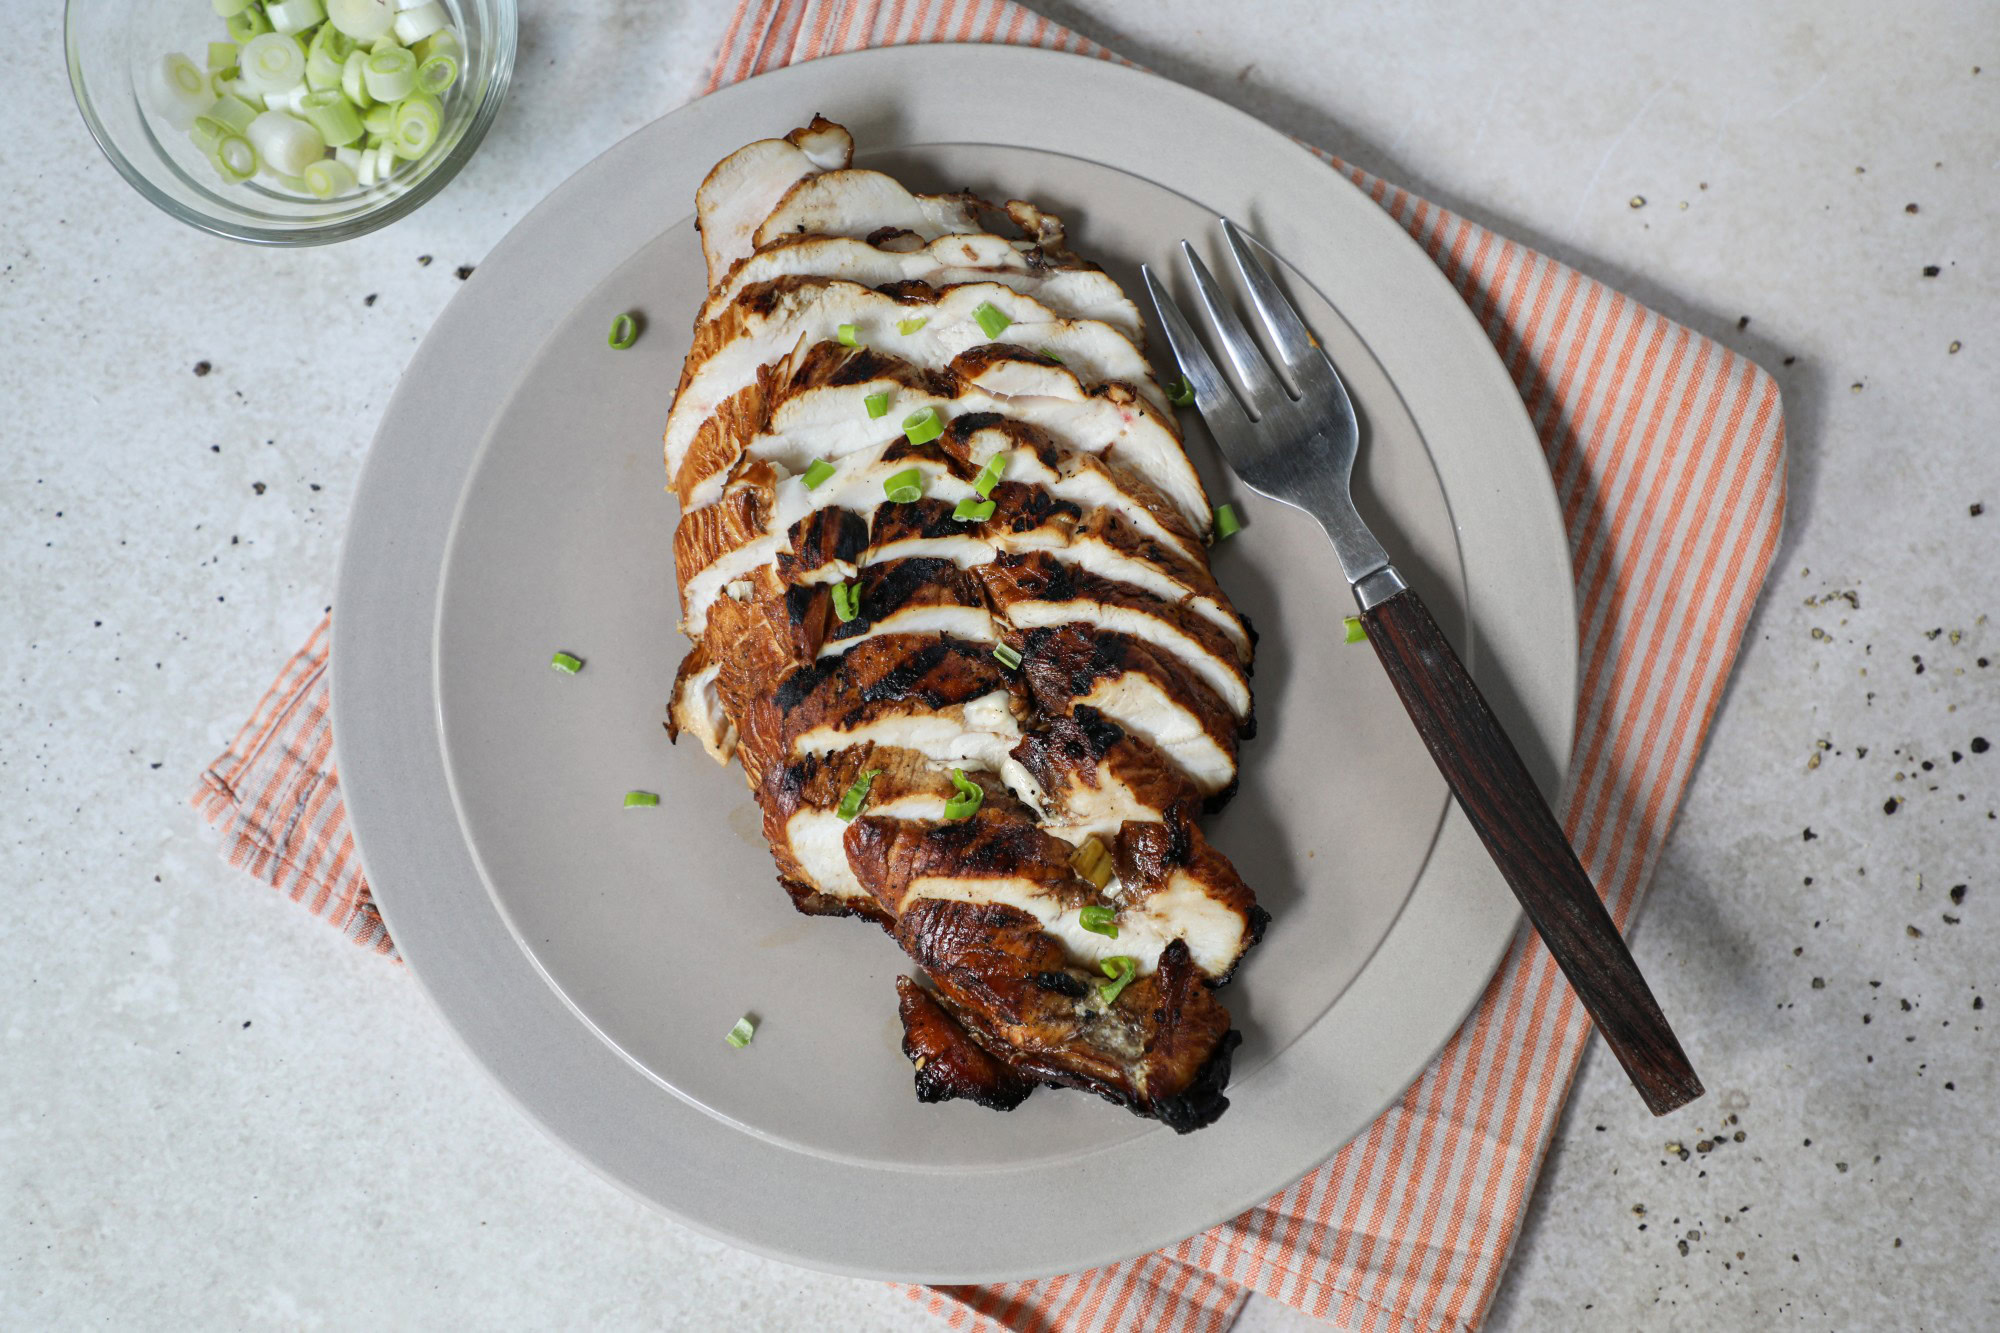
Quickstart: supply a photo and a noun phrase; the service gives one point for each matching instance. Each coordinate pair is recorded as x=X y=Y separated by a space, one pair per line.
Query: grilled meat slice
x=949 y=1063
x=742 y=189
x=856 y=202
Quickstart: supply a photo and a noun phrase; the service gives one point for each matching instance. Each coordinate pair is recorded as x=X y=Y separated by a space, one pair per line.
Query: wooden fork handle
x=1521 y=833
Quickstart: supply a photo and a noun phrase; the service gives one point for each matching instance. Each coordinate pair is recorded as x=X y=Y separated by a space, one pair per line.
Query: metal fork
x=1300 y=451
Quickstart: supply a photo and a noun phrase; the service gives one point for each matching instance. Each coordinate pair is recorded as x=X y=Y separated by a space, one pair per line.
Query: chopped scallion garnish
x=856 y=796
x=816 y=472
x=922 y=426
x=1227 y=525
x=907 y=486
x=624 y=331
x=1099 y=920
x=1356 y=631
x=847 y=336
x=972 y=509
x=1181 y=392
x=567 y=663
x=740 y=1035
x=1054 y=356
x=993 y=321
x=1092 y=860
x=906 y=327
x=391 y=74
x=877 y=403
x=968 y=796
x=989 y=476
x=1121 y=970
x=846 y=601
x=1006 y=657
x=641 y=800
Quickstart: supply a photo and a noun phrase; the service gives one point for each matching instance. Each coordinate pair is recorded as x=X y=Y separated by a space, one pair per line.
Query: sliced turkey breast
x=742 y=189
x=856 y=202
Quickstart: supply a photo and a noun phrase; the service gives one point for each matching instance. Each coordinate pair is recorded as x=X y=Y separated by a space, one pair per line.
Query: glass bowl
x=112 y=46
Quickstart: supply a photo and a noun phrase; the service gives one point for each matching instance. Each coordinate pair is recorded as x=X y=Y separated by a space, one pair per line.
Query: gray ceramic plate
x=593 y=958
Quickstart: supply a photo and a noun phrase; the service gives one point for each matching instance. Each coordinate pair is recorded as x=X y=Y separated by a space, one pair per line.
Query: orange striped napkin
x=1668 y=456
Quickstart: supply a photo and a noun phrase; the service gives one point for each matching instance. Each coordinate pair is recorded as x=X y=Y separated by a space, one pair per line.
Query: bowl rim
x=505 y=44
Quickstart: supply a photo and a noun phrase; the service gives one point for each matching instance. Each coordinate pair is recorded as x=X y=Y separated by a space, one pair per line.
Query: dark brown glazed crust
x=948 y=1062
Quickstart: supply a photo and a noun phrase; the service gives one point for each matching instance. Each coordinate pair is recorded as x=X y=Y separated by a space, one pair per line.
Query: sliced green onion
x=1227 y=525
x=1092 y=860
x=229 y=9
x=327 y=178
x=284 y=143
x=907 y=486
x=247 y=23
x=567 y=663
x=740 y=1035
x=1181 y=392
x=227 y=115
x=363 y=20
x=326 y=57
x=437 y=74
x=1006 y=657
x=845 y=333
x=972 y=509
x=993 y=321
x=179 y=90
x=418 y=117
x=816 y=472
x=443 y=42
x=380 y=118
x=273 y=63
x=221 y=56
x=390 y=74
x=290 y=16
x=846 y=601
x=233 y=158
x=968 y=796
x=1356 y=631
x=1053 y=355
x=333 y=116
x=349 y=157
x=856 y=796
x=641 y=800
x=418 y=22
x=877 y=403
x=387 y=159
x=989 y=476
x=354 y=79
x=922 y=426
x=1099 y=920
x=624 y=331
x=906 y=327
x=1121 y=970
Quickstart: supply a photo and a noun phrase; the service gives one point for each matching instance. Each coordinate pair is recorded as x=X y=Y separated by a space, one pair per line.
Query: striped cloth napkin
x=1668 y=457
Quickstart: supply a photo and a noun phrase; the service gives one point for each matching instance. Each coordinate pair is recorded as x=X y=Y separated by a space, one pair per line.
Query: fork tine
x=1297 y=348
x=1227 y=422
x=1261 y=389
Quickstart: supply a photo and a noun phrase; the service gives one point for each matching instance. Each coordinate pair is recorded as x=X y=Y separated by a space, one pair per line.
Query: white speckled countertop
x=215 y=1113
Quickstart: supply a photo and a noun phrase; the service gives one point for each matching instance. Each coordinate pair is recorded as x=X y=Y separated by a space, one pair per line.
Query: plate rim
x=392 y=564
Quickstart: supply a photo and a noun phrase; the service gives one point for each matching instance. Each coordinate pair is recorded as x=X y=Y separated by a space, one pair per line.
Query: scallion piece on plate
x=1121 y=970
x=989 y=476
x=993 y=321
x=855 y=798
x=847 y=336
x=906 y=327
x=333 y=116
x=1181 y=392
x=966 y=798
x=846 y=601
x=877 y=403
x=907 y=486
x=1092 y=860
x=179 y=91
x=817 y=471
x=922 y=426
x=391 y=74
x=363 y=20
x=1227 y=525
x=1099 y=920
x=273 y=63
x=420 y=21
x=1006 y=657
x=328 y=178
x=624 y=331
x=418 y=117
x=641 y=800
x=1356 y=631
x=1053 y=355
x=972 y=509
x=740 y=1035
x=567 y=663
